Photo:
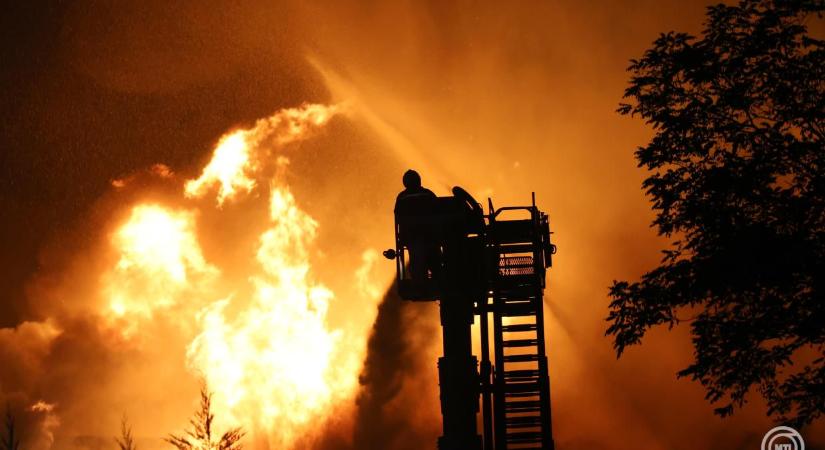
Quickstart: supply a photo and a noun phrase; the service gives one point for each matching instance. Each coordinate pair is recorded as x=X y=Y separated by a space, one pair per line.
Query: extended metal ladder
x=520 y=250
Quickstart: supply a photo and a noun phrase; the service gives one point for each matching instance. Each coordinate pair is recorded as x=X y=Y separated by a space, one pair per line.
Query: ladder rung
x=518 y=327
x=523 y=406
x=515 y=301
x=524 y=436
x=523 y=380
x=507 y=305
x=518 y=292
x=516 y=296
x=517 y=310
x=515 y=395
x=516 y=248
x=523 y=421
x=510 y=281
x=532 y=386
x=521 y=358
x=526 y=373
x=521 y=343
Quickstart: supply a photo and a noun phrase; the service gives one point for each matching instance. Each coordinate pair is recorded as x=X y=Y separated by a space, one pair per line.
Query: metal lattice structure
x=521 y=386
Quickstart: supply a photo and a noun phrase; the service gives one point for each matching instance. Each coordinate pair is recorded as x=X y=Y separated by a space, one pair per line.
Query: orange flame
x=276 y=363
x=265 y=349
x=159 y=264
x=229 y=168
x=238 y=155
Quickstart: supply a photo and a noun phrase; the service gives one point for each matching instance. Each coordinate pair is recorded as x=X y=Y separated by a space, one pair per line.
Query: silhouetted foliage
x=200 y=435
x=10 y=441
x=738 y=183
x=125 y=441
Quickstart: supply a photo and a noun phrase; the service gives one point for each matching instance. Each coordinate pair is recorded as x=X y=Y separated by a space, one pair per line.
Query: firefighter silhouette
x=420 y=239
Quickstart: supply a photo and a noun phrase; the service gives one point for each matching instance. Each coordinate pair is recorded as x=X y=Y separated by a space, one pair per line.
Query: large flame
x=262 y=344
x=159 y=267
x=229 y=168
x=239 y=155
x=276 y=362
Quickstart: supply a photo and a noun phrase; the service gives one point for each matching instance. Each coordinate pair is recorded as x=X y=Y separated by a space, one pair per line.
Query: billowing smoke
x=398 y=386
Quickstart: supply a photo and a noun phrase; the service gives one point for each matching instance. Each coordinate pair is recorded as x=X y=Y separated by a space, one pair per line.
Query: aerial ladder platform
x=491 y=265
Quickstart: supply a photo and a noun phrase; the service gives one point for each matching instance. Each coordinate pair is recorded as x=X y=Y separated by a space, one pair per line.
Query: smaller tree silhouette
x=126 y=440
x=10 y=440
x=199 y=436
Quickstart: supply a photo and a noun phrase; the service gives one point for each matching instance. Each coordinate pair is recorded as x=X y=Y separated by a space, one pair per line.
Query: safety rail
x=515 y=265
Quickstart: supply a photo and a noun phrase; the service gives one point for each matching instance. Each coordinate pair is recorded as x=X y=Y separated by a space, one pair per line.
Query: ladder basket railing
x=515 y=265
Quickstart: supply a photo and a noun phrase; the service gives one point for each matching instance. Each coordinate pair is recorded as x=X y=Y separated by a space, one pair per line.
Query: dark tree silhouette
x=125 y=441
x=200 y=435
x=738 y=183
x=10 y=441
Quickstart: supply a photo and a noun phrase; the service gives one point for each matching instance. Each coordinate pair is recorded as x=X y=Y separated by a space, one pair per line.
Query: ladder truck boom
x=491 y=265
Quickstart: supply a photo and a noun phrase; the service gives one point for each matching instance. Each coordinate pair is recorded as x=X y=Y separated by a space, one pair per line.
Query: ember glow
x=261 y=343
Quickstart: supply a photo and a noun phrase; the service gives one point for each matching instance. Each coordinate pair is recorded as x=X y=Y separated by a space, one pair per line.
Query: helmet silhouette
x=411 y=179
